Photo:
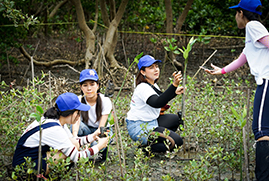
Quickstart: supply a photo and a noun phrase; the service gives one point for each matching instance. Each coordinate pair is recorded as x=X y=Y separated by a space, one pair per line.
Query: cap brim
x=82 y=80
x=83 y=107
x=150 y=63
x=234 y=7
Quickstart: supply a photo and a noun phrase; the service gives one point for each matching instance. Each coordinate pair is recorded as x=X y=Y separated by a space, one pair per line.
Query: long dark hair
x=98 y=110
x=55 y=113
x=141 y=78
x=250 y=15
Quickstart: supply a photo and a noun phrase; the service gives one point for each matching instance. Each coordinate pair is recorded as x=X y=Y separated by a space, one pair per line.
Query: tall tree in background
x=89 y=34
x=112 y=22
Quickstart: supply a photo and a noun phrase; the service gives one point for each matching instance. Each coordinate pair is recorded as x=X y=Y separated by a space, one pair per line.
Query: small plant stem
x=117 y=143
x=183 y=95
x=50 y=88
x=39 y=166
x=245 y=139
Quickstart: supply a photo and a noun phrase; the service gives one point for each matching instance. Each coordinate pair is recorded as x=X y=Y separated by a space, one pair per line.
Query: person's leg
x=160 y=146
x=85 y=130
x=262 y=160
x=169 y=121
x=140 y=130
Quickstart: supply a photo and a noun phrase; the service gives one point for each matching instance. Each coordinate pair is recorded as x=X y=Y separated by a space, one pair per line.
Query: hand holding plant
x=180 y=90
x=177 y=78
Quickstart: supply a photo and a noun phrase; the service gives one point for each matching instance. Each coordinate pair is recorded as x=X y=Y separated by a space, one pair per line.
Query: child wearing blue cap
x=144 y=118
x=256 y=53
x=56 y=135
x=91 y=120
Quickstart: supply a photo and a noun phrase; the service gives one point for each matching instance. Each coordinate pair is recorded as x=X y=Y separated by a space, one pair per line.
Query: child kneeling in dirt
x=55 y=134
x=146 y=104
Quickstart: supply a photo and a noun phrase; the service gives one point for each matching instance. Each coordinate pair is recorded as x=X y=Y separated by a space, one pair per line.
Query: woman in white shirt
x=256 y=53
x=143 y=118
x=91 y=121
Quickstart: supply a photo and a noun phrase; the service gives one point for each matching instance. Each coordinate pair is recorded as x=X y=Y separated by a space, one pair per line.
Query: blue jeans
x=139 y=130
x=85 y=130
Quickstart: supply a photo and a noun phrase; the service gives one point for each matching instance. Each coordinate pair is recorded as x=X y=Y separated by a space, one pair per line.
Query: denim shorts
x=139 y=130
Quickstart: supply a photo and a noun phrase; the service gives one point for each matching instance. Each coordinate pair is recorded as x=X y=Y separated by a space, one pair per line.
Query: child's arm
x=75 y=128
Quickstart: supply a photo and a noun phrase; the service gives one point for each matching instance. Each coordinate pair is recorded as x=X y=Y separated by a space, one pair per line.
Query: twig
x=127 y=63
x=117 y=143
x=66 y=65
x=204 y=64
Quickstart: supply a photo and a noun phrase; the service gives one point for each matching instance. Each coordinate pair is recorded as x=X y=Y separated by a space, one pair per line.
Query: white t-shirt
x=256 y=53
x=106 y=109
x=56 y=137
x=139 y=109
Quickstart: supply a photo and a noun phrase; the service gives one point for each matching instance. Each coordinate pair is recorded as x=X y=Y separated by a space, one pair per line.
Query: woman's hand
x=102 y=142
x=177 y=78
x=180 y=90
x=96 y=133
x=216 y=70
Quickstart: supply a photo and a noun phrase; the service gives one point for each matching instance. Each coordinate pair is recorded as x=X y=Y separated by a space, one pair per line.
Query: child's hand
x=102 y=142
x=180 y=90
x=96 y=133
x=177 y=78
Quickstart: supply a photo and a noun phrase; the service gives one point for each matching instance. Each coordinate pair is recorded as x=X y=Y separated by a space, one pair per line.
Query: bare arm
x=75 y=128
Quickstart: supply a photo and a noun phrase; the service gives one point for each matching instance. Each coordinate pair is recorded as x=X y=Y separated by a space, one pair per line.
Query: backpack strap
x=154 y=88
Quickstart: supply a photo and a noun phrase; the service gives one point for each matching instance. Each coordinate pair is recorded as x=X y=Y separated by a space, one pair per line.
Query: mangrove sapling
x=242 y=122
x=37 y=116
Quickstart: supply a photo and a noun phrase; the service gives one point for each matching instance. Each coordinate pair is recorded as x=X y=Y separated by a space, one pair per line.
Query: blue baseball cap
x=88 y=74
x=70 y=101
x=146 y=61
x=249 y=5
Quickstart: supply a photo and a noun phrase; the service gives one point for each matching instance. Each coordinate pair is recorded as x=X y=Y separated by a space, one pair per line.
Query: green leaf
x=235 y=113
x=110 y=118
x=167 y=49
x=136 y=59
x=176 y=52
x=181 y=50
x=36 y=116
x=243 y=123
x=39 y=109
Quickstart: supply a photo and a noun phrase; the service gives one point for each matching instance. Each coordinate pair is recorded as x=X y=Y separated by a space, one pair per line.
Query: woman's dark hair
x=55 y=113
x=141 y=78
x=98 y=111
x=250 y=15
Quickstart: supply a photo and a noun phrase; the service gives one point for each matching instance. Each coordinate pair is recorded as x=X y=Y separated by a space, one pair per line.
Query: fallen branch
x=50 y=63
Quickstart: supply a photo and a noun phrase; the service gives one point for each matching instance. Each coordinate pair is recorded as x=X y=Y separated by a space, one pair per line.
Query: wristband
x=223 y=71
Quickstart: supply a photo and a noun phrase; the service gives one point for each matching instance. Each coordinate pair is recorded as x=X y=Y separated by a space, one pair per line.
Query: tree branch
x=53 y=12
x=49 y=63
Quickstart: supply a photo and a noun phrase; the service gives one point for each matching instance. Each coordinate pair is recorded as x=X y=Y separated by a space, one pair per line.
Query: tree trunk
x=183 y=15
x=111 y=37
x=90 y=37
x=169 y=16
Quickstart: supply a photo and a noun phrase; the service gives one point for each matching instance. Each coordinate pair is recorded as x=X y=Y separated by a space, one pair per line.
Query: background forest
x=45 y=44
